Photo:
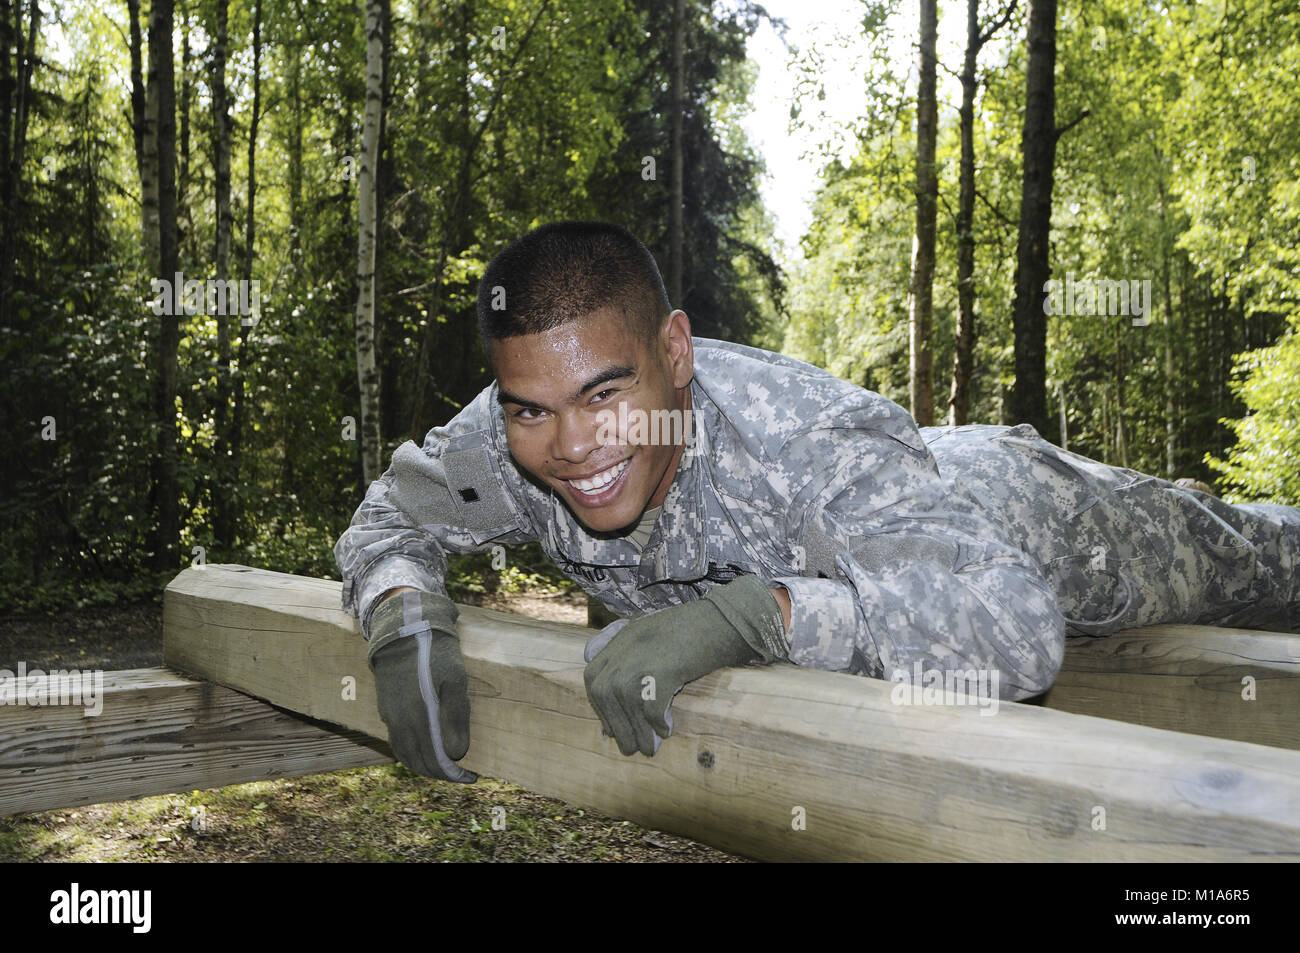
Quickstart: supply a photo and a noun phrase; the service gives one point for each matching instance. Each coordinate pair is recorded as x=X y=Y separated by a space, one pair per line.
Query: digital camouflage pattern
x=956 y=548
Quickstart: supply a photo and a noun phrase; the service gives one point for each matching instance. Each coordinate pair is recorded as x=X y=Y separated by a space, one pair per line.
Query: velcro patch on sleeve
x=482 y=502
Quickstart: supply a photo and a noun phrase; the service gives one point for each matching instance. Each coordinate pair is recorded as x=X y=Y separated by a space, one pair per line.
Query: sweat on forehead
x=573 y=357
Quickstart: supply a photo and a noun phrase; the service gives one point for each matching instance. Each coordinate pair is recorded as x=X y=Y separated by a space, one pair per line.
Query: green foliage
x=1186 y=172
x=526 y=569
x=1152 y=184
x=500 y=115
x=1265 y=463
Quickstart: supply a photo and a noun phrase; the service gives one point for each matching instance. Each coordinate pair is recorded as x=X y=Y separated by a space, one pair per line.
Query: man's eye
x=527 y=413
x=612 y=390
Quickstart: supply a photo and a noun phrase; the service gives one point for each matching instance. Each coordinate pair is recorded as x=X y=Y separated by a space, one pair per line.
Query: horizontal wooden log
x=159 y=733
x=1226 y=683
x=778 y=762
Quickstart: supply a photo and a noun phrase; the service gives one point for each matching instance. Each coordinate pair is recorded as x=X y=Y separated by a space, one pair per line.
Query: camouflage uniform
x=955 y=548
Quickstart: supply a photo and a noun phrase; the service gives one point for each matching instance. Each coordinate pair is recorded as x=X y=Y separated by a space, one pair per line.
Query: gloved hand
x=733 y=624
x=421 y=682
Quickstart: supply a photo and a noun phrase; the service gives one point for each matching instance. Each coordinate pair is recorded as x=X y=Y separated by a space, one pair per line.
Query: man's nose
x=575 y=437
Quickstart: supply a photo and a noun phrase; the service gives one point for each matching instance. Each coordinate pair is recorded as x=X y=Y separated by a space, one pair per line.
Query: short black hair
x=563 y=271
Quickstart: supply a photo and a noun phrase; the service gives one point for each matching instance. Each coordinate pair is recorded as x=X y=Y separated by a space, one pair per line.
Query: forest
x=242 y=240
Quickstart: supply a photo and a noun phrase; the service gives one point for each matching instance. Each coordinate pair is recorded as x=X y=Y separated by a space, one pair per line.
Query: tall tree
x=1028 y=402
x=161 y=99
x=1038 y=139
x=921 y=319
x=677 y=93
x=149 y=199
x=184 y=213
x=228 y=525
x=139 y=114
x=219 y=471
x=16 y=111
x=295 y=138
x=963 y=364
x=367 y=264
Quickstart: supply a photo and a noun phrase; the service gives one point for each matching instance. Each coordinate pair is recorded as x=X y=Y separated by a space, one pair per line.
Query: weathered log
x=1226 y=683
x=158 y=733
x=778 y=762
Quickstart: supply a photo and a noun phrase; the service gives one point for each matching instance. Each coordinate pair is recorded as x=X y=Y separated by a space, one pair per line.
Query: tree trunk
x=1121 y=436
x=15 y=130
x=222 y=479
x=183 y=213
x=149 y=234
x=138 y=117
x=964 y=345
x=161 y=97
x=1065 y=427
x=221 y=146
x=367 y=265
x=927 y=194
x=963 y=362
x=6 y=82
x=236 y=439
x=1171 y=393
x=677 y=94
x=1105 y=426
x=295 y=149
x=1038 y=147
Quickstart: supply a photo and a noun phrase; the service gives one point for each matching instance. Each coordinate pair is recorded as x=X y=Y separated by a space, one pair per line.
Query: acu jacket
x=952 y=548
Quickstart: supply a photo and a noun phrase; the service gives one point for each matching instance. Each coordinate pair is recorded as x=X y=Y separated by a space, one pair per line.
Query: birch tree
x=368 y=183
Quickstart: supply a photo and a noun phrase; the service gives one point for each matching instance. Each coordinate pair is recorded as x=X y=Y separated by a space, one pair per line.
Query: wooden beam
x=159 y=733
x=1238 y=684
x=780 y=762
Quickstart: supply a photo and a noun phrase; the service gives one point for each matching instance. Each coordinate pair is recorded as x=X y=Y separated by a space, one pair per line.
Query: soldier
x=781 y=514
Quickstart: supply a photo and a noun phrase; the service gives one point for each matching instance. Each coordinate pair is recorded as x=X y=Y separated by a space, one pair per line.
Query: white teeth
x=600 y=480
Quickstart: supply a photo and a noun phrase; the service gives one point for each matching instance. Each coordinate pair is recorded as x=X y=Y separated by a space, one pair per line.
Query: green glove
x=636 y=667
x=421 y=683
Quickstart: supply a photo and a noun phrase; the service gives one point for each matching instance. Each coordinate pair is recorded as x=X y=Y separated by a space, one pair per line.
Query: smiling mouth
x=598 y=484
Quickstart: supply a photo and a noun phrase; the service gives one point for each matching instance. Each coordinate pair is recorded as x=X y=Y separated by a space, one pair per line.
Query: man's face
x=561 y=392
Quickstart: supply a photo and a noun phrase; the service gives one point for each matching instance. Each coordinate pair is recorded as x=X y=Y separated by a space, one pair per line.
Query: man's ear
x=678 y=349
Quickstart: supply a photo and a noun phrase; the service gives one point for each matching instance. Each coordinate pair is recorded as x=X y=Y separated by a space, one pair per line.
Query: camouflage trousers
x=1123 y=549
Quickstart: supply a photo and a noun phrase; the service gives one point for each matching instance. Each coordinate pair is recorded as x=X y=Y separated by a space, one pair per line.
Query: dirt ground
x=365 y=814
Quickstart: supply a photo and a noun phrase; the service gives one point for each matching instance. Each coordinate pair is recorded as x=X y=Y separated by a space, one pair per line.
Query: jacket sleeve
x=450 y=495
x=903 y=568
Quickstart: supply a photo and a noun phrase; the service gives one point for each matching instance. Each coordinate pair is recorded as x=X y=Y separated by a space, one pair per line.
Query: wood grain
x=1188 y=678
x=159 y=733
x=757 y=749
